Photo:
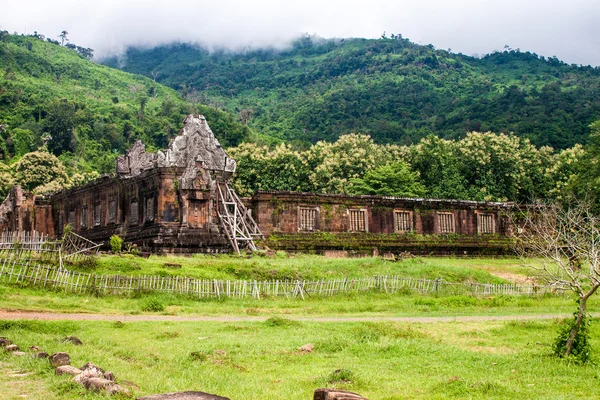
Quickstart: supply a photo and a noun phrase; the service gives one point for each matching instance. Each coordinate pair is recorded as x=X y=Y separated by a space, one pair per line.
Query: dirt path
x=43 y=316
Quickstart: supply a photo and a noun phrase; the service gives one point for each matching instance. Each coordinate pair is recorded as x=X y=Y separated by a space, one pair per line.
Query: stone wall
x=148 y=210
x=319 y=222
x=24 y=212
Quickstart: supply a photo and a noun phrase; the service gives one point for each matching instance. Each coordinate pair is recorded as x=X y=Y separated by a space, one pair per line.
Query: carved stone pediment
x=136 y=160
x=195 y=148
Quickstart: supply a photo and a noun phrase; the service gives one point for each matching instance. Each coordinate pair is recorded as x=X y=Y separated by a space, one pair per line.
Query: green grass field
x=260 y=359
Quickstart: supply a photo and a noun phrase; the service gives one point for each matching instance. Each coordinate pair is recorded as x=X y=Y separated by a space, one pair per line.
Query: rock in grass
x=92 y=367
x=307 y=348
x=60 y=358
x=335 y=394
x=12 y=347
x=41 y=354
x=117 y=389
x=18 y=353
x=184 y=396
x=109 y=376
x=73 y=339
x=89 y=371
x=104 y=385
x=96 y=384
x=34 y=348
x=67 y=370
x=5 y=342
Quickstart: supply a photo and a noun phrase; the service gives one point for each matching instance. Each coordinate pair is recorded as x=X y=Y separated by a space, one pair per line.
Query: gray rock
x=67 y=370
x=5 y=342
x=18 y=353
x=117 y=389
x=91 y=366
x=89 y=371
x=109 y=376
x=41 y=354
x=96 y=384
x=335 y=394
x=60 y=358
x=184 y=396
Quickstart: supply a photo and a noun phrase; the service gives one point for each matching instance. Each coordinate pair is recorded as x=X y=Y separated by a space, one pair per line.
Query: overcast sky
x=569 y=29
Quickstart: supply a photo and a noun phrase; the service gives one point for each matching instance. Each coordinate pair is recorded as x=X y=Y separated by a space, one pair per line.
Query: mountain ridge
x=390 y=88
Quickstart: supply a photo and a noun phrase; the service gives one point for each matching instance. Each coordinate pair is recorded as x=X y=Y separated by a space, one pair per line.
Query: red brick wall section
x=278 y=212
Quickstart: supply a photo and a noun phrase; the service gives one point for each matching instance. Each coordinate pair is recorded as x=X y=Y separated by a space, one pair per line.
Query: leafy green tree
x=586 y=181
x=332 y=165
x=23 y=141
x=60 y=123
x=40 y=168
x=395 y=179
x=439 y=167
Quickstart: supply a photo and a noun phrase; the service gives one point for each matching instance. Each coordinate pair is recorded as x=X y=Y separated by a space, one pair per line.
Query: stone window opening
x=446 y=222
x=486 y=223
x=134 y=215
x=84 y=217
x=97 y=214
x=358 y=220
x=403 y=221
x=71 y=219
x=149 y=209
x=307 y=219
x=112 y=211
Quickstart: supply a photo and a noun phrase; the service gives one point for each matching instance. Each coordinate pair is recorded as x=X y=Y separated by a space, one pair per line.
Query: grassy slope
x=394 y=90
x=492 y=360
x=303 y=266
x=34 y=75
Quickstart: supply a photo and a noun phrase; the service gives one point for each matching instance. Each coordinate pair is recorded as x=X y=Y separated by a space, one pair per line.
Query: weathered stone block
x=60 y=358
x=67 y=370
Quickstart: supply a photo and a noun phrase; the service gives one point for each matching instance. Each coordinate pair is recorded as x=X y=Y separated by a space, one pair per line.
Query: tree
x=567 y=238
x=63 y=37
x=60 y=123
x=38 y=169
x=395 y=179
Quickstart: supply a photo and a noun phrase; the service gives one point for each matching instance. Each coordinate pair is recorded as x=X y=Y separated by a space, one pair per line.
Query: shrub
x=581 y=350
x=152 y=305
x=116 y=244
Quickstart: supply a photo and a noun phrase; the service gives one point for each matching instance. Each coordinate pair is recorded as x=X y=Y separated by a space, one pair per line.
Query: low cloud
x=552 y=27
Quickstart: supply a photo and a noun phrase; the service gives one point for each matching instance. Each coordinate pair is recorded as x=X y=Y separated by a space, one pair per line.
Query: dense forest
x=392 y=89
x=292 y=125
x=54 y=97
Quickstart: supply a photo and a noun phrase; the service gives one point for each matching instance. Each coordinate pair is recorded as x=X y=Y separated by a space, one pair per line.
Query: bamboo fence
x=25 y=272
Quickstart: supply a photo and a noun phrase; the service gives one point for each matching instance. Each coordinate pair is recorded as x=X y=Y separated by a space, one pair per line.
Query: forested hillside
x=390 y=88
x=64 y=119
x=86 y=113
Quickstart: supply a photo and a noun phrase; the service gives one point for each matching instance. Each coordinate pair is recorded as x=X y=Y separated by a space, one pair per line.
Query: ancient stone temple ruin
x=177 y=200
x=180 y=200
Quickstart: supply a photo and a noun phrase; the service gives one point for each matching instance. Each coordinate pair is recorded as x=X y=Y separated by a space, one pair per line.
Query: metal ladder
x=236 y=220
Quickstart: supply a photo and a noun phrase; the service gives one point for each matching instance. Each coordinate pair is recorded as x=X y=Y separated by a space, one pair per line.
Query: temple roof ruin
x=194 y=148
